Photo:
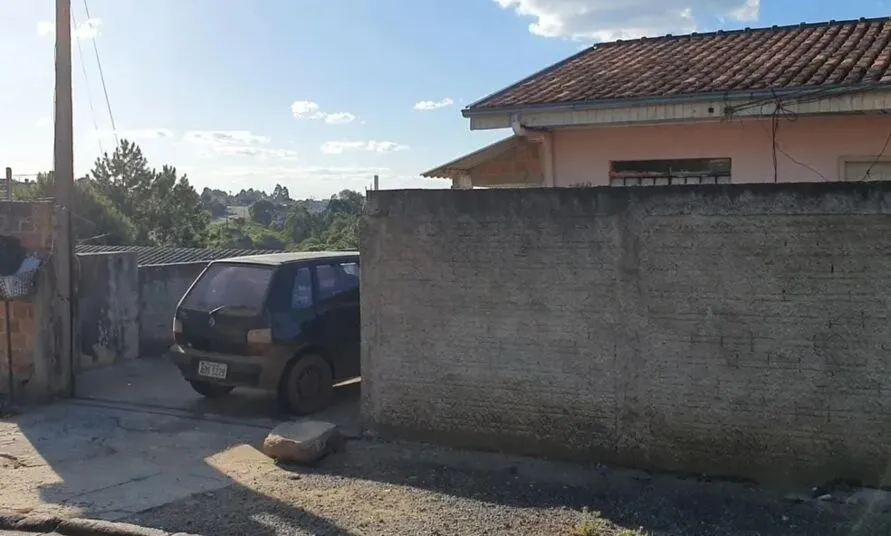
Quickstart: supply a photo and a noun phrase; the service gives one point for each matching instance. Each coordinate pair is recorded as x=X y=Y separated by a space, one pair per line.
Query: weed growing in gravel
x=589 y=525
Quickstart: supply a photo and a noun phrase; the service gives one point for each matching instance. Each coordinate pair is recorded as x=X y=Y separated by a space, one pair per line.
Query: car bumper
x=241 y=371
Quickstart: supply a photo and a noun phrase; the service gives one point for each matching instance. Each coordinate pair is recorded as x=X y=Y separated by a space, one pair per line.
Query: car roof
x=276 y=259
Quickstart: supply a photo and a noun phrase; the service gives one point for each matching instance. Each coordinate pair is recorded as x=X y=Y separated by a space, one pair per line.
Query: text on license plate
x=213 y=370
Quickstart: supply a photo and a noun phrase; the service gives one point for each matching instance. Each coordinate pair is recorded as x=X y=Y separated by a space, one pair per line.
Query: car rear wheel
x=307 y=385
x=211 y=390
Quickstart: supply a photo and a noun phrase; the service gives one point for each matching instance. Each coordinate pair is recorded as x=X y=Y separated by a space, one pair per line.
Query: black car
x=285 y=322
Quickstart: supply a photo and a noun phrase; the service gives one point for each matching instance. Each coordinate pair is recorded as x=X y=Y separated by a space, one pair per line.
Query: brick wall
x=736 y=330
x=36 y=341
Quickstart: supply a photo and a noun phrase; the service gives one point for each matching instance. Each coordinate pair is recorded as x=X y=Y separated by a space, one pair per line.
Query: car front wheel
x=307 y=385
x=211 y=390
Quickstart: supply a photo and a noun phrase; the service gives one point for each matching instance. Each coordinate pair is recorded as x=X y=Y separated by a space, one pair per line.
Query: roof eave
x=463 y=164
x=661 y=100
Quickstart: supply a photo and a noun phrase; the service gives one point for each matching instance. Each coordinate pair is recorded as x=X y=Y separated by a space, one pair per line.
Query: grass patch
x=591 y=524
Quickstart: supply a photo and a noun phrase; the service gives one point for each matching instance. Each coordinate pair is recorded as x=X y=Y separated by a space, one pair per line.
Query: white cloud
x=136 y=134
x=339 y=118
x=89 y=29
x=340 y=147
x=305 y=109
x=237 y=143
x=43 y=122
x=433 y=105
x=302 y=172
x=225 y=137
x=608 y=20
x=259 y=153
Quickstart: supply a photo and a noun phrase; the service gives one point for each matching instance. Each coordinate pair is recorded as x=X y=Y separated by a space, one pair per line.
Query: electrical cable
x=879 y=157
x=83 y=66
x=114 y=128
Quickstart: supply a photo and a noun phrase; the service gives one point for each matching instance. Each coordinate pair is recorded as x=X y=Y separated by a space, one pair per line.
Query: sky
x=316 y=96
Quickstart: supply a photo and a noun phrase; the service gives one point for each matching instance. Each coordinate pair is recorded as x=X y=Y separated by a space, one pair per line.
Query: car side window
x=336 y=279
x=301 y=293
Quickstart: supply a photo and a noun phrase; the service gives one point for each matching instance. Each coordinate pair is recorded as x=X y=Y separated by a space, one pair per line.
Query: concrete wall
x=108 y=308
x=40 y=346
x=739 y=330
x=160 y=289
x=816 y=145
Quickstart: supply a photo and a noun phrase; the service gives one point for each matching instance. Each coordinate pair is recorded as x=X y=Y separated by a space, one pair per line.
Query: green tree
x=262 y=211
x=347 y=202
x=164 y=207
x=174 y=215
x=280 y=194
x=214 y=203
x=124 y=177
x=94 y=217
x=302 y=224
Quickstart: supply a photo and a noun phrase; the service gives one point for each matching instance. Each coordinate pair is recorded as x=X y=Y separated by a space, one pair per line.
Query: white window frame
x=848 y=159
x=623 y=182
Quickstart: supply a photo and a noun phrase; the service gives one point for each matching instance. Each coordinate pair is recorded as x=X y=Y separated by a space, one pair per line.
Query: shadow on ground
x=155 y=384
x=416 y=489
x=139 y=446
x=138 y=438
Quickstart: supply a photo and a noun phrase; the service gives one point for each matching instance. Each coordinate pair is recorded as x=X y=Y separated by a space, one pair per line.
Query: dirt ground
x=380 y=488
x=139 y=446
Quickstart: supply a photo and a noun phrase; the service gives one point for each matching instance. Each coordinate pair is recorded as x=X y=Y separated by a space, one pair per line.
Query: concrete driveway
x=156 y=384
x=138 y=437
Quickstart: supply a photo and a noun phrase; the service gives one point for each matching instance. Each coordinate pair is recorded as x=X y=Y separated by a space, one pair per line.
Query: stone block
x=302 y=442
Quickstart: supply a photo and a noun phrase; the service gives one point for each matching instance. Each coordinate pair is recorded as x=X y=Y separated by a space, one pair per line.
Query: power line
x=114 y=128
x=83 y=66
x=878 y=158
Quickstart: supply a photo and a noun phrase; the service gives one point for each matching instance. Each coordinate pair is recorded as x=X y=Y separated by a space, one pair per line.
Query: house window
x=867 y=169
x=669 y=172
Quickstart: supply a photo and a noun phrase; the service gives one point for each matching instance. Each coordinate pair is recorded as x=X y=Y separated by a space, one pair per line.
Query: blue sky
x=318 y=96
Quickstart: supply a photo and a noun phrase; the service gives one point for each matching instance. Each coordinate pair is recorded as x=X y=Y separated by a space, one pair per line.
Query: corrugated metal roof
x=146 y=255
x=296 y=256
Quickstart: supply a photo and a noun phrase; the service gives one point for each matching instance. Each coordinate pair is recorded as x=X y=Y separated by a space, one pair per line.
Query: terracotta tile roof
x=849 y=53
x=147 y=255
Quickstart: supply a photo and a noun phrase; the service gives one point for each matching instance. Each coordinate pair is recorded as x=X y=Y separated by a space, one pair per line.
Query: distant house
x=794 y=103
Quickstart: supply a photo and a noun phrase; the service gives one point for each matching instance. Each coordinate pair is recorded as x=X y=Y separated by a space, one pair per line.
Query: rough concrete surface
x=17 y=523
x=156 y=384
x=160 y=289
x=108 y=308
x=119 y=450
x=175 y=469
x=734 y=330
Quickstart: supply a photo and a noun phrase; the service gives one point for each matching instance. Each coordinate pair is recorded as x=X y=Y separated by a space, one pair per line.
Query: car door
x=337 y=304
x=291 y=306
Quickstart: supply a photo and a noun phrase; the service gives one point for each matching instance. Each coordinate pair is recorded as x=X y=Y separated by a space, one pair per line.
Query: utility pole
x=63 y=166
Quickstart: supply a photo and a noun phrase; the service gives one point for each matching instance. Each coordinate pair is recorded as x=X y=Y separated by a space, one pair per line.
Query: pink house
x=796 y=103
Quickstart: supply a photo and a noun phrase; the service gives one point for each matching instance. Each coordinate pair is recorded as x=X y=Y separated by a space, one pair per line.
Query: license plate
x=213 y=370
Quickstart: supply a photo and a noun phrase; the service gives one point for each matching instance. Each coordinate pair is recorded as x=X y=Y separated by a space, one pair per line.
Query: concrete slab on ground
x=76 y=459
x=156 y=383
x=138 y=437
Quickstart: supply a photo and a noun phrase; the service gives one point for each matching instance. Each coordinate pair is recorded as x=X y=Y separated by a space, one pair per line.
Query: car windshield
x=236 y=287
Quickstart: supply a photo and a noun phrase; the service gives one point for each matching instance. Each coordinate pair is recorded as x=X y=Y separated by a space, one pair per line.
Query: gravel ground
x=377 y=488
